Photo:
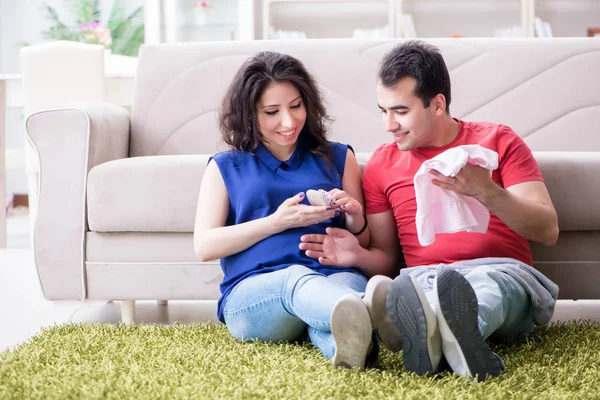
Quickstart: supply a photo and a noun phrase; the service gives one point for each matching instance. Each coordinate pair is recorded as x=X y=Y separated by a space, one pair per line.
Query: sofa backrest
x=548 y=91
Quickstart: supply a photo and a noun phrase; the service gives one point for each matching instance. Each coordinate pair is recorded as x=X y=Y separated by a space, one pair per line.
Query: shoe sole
x=406 y=308
x=376 y=301
x=464 y=347
x=351 y=328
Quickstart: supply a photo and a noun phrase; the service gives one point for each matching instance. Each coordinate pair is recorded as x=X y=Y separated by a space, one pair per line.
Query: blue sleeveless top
x=257 y=184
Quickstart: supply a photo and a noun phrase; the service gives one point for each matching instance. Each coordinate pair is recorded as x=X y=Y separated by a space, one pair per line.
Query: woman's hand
x=344 y=202
x=291 y=214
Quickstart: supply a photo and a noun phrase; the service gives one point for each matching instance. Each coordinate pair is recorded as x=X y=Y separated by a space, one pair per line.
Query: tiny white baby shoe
x=318 y=197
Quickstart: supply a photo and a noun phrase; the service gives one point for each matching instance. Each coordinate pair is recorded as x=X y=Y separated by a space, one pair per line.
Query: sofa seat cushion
x=145 y=194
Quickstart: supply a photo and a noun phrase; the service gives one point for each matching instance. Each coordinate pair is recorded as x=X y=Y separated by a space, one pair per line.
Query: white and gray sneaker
x=464 y=347
x=409 y=309
x=352 y=332
x=376 y=300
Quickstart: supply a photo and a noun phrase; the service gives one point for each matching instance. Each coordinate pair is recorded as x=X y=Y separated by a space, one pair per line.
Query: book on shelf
x=542 y=28
x=512 y=31
x=377 y=33
x=406 y=26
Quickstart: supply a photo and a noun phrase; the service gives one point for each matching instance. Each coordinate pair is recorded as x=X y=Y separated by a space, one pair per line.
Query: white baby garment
x=446 y=211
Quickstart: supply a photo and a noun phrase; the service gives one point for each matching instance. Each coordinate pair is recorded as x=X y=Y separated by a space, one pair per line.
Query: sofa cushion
x=145 y=194
x=160 y=193
x=574 y=187
x=149 y=194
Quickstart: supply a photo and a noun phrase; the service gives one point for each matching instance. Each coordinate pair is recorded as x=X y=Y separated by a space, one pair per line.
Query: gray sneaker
x=409 y=309
x=352 y=332
x=376 y=301
x=464 y=347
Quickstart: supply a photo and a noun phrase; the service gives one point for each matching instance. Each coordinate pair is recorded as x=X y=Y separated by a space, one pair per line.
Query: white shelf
x=171 y=21
x=431 y=18
x=326 y=1
x=569 y=17
x=373 y=13
x=468 y=18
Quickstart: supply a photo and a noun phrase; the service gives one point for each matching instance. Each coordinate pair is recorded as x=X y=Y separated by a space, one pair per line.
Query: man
x=469 y=285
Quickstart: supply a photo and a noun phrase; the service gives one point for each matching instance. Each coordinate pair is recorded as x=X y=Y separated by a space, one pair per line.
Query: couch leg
x=128 y=311
x=162 y=302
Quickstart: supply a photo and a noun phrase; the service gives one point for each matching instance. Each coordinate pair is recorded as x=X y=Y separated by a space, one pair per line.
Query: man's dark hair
x=237 y=117
x=422 y=62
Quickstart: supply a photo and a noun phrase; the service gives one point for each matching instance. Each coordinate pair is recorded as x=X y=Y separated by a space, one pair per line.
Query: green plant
x=124 y=34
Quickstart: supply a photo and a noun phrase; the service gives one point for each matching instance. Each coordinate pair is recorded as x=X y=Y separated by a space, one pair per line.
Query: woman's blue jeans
x=279 y=306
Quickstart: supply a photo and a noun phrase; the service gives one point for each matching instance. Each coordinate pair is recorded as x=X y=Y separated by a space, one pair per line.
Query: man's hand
x=525 y=207
x=471 y=180
x=339 y=247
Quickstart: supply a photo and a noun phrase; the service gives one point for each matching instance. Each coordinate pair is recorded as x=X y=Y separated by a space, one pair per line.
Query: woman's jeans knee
x=280 y=305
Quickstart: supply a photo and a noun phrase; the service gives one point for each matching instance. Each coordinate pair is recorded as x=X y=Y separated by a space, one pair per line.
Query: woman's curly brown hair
x=237 y=117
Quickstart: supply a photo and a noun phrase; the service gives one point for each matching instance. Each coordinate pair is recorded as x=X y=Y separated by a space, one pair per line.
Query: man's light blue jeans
x=279 y=306
x=504 y=305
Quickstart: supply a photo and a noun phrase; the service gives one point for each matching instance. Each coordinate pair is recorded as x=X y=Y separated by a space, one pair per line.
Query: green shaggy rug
x=201 y=361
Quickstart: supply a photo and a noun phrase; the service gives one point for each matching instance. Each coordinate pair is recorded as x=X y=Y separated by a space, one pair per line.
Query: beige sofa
x=118 y=192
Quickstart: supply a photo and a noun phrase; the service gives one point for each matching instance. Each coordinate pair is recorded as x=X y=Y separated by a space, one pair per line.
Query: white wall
x=18 y=22
x=23 y=21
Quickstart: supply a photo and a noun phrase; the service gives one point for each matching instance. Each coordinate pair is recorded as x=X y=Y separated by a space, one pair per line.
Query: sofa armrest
x=69 y=142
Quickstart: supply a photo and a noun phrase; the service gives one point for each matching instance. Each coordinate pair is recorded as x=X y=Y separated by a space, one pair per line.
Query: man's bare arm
x=383 y=254
x=526 y=208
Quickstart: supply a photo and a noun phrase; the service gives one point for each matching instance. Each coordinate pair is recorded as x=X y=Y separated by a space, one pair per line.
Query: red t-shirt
x=388 y=184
